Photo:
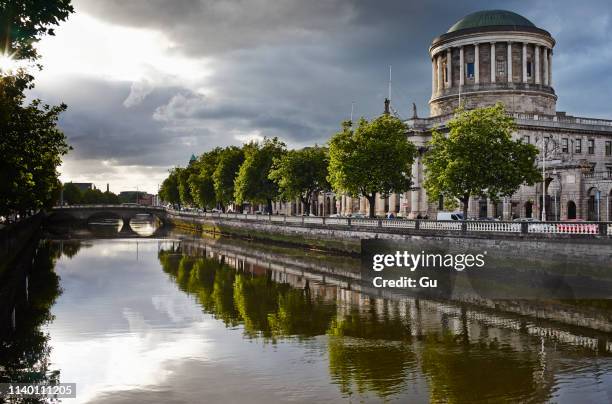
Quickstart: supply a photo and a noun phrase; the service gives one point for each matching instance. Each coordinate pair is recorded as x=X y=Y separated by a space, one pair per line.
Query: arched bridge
x=124 y=212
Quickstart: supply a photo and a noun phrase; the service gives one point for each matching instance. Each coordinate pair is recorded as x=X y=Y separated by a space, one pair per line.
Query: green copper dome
x=491 y=18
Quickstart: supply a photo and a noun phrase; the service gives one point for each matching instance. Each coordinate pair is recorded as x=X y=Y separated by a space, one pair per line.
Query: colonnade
x=442 y=65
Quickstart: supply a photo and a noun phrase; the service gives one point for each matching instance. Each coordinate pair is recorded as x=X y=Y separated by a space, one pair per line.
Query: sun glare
x=7 y=63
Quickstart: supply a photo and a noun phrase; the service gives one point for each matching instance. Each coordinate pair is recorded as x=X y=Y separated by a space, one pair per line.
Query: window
x=578 y=146
x=526 y=139
x=608 y=148
x=591 y=146
x=470 y=70
x=529 y=68
x=445 y=72
x=501 y=67
x=564 y=145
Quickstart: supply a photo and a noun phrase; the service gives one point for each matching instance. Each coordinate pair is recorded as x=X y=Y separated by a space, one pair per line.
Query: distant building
x=139 y=197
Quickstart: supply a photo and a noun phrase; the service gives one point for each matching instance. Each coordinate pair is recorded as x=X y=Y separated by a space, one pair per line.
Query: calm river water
x=178 y=319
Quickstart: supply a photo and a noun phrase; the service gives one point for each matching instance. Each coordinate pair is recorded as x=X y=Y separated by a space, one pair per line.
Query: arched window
x=593 y=204
x=571 y=210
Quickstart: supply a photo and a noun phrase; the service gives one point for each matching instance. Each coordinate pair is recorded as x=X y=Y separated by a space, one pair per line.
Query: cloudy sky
x=149 y=82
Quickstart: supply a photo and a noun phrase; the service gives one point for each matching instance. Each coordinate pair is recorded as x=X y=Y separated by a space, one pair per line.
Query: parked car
x=449 y=216
x=526 y=219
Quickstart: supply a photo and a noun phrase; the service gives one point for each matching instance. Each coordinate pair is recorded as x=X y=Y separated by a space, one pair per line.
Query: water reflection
x=385 y=346
x=225 y=319
x=28 y=291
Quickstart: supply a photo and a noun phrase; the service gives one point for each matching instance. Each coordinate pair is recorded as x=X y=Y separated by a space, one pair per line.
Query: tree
x=31 y=149
x=301 y=174
x=31 y=146
x=183 y=184
x=24 y=22
x=228 y=165
x=376 y=158
x=253 y=183
x=478 y=158
x=169 y=190
x=72 y=194
x=201 y=182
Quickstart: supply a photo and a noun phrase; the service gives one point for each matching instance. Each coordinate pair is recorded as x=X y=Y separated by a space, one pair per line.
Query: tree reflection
x=374 y=345
x=482 y=371
x=25 y=350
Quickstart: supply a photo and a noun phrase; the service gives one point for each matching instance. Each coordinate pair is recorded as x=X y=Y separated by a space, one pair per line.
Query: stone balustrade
x=417 y=226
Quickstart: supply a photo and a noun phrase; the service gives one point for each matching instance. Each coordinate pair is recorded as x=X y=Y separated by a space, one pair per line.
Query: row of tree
x=32 y=146
x=476 y=156
x=373 y=158
x=72 y=195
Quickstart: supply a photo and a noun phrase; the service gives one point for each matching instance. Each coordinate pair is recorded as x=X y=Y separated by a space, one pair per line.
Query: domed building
x=493 y=56
x=500 y=56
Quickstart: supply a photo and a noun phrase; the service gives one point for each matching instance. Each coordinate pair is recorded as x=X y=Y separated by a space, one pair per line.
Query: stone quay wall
x=313 y=232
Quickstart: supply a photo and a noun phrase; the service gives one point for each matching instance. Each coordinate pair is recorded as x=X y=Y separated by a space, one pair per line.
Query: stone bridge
x=124 y=212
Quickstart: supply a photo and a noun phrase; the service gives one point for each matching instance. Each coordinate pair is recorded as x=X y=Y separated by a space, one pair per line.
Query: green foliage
x=253 y=183
x=24 y=22
x=183 y=183
x=74 y=196
x=169 y=190
x=228 y=165
x=31 y=146
x=478 y=158
x=301 y=174
x=31 y=149
x=375 y=158
x=201 y=183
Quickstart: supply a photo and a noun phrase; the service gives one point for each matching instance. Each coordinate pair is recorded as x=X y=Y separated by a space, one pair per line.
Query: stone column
x=493 y=62
x=393 y=202
x=550 y=80
x=379 y=209
x=433 y=75
x=363 y=205
x=461 y=67
x=440 y=81
x=524 y=62
x=449 y=68
x=509 y=61
x=537 y=64
x=476 y=64
x=545 y=66
x=507 y=209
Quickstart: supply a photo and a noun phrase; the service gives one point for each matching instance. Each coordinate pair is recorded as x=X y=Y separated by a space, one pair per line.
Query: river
x=176 y=318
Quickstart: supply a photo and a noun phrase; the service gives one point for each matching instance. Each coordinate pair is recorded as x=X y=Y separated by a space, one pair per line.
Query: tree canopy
x=32 y=146
x=228 y=165
x=253 y=183
x=478 y=157
x=201 y=182
x=24 y=22
x=169 y=190
x=375 y=158
x=301 y=174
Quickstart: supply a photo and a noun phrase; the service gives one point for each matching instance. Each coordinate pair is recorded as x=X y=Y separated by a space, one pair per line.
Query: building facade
x=500 y=56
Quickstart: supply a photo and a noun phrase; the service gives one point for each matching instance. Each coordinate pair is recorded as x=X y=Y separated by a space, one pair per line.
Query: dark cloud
x=292 y=69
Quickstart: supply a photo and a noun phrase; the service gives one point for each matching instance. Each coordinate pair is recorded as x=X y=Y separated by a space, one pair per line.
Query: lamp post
x=554 y=173
x=544 y=180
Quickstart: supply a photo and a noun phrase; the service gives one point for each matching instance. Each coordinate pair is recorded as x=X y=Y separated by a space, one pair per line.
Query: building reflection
x=377 y=345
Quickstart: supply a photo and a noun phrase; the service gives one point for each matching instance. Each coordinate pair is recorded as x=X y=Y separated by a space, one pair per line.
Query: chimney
x=387 y=102
x=107 y=187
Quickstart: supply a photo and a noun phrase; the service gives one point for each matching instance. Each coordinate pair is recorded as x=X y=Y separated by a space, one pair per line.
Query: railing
x=440 y=225
x=395 y=225
x=502 y=227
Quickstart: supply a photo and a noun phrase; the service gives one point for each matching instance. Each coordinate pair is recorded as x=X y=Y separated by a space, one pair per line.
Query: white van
x=450 y=216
